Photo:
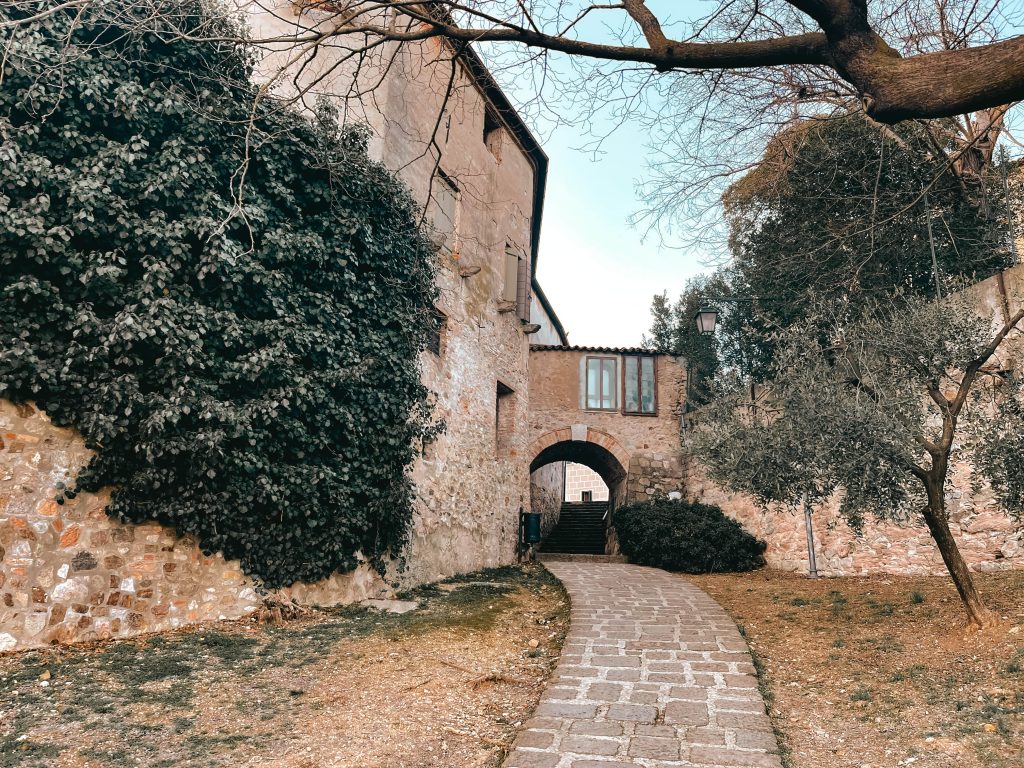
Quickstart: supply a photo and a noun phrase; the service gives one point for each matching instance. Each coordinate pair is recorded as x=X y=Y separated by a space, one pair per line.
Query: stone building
x=616 y=411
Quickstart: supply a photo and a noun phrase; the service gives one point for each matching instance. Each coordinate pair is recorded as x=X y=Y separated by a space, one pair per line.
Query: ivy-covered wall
x=227 y=304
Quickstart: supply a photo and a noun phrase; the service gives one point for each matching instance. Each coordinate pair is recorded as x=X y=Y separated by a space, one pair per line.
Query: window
x=586 y=496
x=601 y=382
x=445 y=204
x=516 y=287
x=438 y=325
x=510 y=290
x=504 y=421
x=638 y=385
x=492 y=133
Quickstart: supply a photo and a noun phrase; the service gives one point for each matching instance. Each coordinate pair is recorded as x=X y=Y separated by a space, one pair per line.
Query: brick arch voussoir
x=595 y=436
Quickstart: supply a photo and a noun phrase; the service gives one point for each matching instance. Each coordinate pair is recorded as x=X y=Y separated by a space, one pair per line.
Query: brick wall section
x=988 y=538
x=648 y=447
x=579 y=478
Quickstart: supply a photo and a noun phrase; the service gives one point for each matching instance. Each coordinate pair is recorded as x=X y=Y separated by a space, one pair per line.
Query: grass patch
x=140 y=701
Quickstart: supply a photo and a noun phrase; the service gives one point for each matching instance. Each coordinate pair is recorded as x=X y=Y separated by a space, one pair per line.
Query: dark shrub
x=687 y=537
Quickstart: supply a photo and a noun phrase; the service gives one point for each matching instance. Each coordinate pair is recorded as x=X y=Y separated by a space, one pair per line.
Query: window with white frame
x=601 y=382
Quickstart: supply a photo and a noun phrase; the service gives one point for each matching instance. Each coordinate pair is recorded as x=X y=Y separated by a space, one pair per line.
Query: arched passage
x=578 y=444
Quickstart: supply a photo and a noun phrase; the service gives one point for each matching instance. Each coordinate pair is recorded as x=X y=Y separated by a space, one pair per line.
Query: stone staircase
x=581 y=529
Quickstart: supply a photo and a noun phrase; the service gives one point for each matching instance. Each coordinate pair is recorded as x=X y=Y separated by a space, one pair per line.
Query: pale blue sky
x=598 y=270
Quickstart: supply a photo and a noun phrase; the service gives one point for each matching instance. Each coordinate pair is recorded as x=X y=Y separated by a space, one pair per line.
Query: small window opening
x=600 y=382
x=586 y=495
x=438 y=328
x=639 y=390
x=504 y=420
x=444 y=211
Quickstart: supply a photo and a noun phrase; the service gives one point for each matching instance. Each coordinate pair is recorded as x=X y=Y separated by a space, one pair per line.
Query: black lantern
x=706 y=319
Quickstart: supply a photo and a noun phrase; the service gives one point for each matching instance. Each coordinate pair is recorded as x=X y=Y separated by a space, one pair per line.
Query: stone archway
x=591 y=447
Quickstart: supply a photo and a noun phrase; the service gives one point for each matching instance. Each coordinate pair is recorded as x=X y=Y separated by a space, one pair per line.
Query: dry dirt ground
x=445 y=685
x=880 y=671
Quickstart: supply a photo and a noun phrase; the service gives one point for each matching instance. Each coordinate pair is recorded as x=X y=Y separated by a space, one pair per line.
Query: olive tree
x=876 y=410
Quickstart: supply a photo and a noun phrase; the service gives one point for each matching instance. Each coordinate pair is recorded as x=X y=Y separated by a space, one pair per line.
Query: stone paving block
x=525 y=759
x=688 y=693
x=536 y=739
x=601 y=764
x=687 y=713
x=590 y=745
x=711 y=736
x=590 y=728
x=740 y=705
x=654 y=747
x=639 y=713
x=626 y=675
x=644 y=697
x=756 y=740
x=604 y=692
x=740 y=681
x=574 y=711
x=616 y=661
x=751 y=721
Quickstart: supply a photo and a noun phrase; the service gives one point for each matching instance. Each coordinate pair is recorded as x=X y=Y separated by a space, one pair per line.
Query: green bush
x=687 y=537
x=230 y=310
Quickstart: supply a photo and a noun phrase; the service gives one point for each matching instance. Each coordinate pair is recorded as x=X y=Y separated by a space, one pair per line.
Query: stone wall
x=69 y=572
x=988 y=538
x=547 y=490
x=470 y=489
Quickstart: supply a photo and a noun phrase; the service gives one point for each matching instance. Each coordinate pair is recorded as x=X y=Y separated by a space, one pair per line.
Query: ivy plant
x=225 y=298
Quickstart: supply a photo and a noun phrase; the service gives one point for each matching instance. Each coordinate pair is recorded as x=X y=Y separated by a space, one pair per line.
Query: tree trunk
x=935 y=515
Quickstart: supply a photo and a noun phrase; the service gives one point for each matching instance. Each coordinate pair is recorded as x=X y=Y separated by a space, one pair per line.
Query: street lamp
x=706 y=319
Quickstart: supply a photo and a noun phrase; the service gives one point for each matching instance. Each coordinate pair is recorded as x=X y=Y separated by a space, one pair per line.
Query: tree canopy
x=869 y=411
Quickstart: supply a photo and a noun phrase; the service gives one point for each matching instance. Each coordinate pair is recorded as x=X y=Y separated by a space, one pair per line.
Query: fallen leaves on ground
x=446 y=685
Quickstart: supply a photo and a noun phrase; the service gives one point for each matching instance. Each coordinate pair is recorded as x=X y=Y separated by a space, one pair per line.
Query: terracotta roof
x=599 y=350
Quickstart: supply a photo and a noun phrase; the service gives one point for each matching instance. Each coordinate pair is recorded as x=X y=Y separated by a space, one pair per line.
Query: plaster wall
x=579 y=478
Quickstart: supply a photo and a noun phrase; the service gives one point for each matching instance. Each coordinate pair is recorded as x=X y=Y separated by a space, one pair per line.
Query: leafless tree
x=710 y=90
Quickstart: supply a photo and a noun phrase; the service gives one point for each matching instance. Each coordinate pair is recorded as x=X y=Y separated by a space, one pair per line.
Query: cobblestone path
x=653 y=673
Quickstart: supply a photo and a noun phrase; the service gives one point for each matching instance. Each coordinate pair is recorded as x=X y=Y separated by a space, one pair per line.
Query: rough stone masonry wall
x=988 y=538
x=468 y=491
x=69 y=572
x=547 y=490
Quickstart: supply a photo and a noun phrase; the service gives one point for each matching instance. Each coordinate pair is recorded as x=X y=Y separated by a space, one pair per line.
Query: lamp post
x=706 y=320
